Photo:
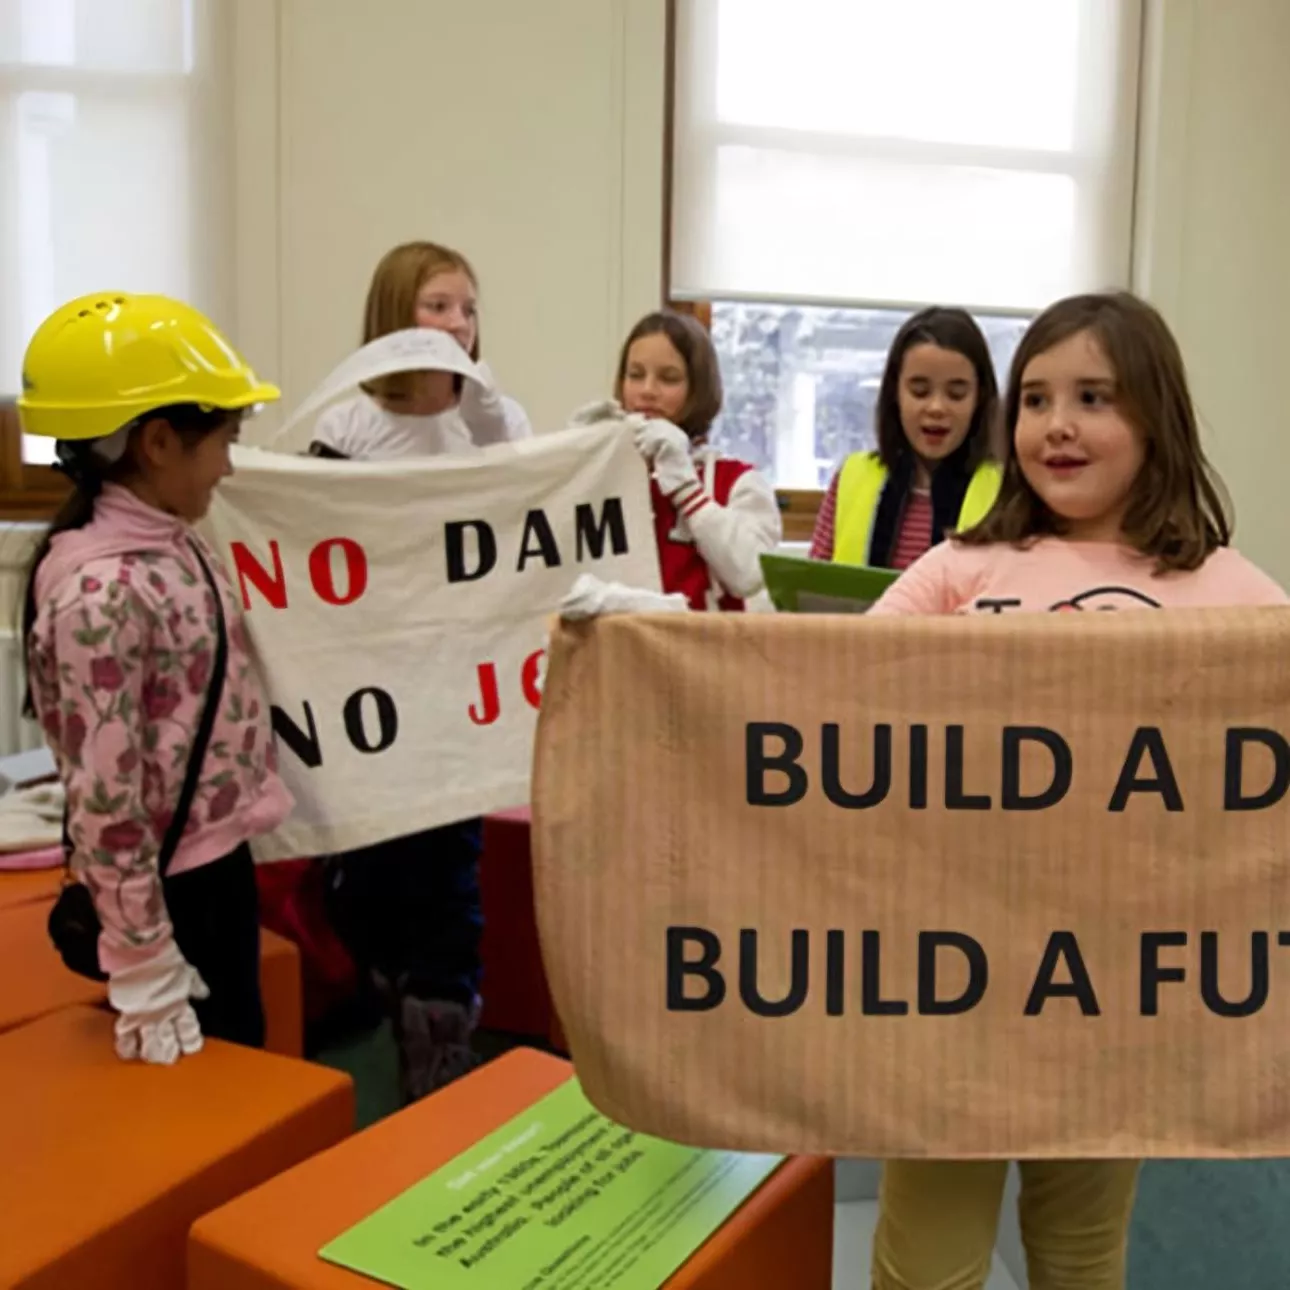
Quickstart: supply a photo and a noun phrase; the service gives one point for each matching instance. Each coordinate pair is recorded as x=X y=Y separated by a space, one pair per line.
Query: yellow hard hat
x=100 y=362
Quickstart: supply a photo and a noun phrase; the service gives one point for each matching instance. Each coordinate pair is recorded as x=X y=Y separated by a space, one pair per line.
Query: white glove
x=156 y=1021
x=667 y=449
x=594 y=414
x=591 y=598
x=481 y=392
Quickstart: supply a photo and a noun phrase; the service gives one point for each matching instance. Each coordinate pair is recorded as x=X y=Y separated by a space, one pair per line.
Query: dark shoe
x=433 y=1037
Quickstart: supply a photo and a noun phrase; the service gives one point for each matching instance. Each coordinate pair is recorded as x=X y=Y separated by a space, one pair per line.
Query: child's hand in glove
x=592 y=414
x=156 y=1021
x=481 y=393
x=592 y=598
x=667 y=449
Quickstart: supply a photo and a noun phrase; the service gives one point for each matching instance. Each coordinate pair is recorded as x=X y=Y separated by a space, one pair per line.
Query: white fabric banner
x=400 y=613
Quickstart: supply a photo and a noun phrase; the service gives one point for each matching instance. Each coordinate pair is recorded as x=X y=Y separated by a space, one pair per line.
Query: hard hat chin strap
x=83 y=461
x=110 y=449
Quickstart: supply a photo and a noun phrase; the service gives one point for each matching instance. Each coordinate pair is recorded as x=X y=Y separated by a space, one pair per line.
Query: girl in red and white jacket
x=713 y=515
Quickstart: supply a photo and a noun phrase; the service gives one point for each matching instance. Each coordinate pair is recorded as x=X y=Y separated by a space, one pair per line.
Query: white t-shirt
x=361 y=429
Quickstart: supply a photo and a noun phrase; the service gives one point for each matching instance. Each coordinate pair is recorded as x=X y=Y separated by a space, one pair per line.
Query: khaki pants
x=938 y=1220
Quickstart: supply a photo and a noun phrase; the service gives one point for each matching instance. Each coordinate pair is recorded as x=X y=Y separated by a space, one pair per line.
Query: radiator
x=17 y=734
x=16 y=543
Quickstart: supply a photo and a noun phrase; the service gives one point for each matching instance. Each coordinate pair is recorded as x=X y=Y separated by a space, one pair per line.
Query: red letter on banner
x=529 y=678
x=273 y=587
x=355 y=571
x=488 y=692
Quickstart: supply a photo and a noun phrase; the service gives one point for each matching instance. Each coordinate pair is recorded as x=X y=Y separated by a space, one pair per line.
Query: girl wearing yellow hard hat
x=140 y=673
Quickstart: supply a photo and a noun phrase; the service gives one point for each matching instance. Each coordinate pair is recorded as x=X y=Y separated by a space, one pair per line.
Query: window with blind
x=840 y=163
x=113 y=174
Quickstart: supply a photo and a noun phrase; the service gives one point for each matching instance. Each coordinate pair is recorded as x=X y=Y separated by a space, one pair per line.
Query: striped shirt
x=825 y=520
x=914 y=538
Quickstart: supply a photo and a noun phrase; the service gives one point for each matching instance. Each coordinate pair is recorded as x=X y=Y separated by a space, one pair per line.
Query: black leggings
x=215 y=912
x=410 y=909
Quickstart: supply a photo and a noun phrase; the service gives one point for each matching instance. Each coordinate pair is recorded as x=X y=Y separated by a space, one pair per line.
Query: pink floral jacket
x=120 y=661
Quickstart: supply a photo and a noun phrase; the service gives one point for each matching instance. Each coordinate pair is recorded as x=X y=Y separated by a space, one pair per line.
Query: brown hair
x=952 y=329
x=695 y=347
x=392 y=301
x=1178 y=511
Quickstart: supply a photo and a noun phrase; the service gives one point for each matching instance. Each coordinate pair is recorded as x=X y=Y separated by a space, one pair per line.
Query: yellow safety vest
x=860 y=487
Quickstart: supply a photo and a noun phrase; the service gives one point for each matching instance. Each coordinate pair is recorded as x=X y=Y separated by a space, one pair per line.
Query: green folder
x=797 y=585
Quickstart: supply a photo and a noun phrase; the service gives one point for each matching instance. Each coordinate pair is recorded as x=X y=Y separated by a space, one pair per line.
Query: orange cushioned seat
x=108 y=1163
x=281 y=989
x=34 y=981
x=269 y=1238
x=21 y=886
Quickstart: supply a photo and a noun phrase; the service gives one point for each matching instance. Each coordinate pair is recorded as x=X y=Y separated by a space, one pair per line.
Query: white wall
x=1214 y=238
x=528 y=135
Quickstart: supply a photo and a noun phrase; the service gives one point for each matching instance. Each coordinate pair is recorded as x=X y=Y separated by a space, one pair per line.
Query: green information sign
x=560 y=1198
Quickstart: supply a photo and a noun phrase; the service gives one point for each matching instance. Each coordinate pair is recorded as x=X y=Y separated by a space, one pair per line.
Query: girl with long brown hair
x=1107 y=503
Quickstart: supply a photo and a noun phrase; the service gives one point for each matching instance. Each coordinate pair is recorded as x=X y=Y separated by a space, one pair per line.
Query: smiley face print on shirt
x=1094 y=599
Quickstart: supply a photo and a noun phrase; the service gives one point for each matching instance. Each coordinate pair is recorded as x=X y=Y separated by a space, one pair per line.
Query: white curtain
x=971 y=152
x=114 y=171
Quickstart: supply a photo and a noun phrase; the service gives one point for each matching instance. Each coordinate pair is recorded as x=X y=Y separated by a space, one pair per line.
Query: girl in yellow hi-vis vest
x=933 y=472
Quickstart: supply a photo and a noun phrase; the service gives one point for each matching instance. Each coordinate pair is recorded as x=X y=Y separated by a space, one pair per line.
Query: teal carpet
x=1197 y=1226
x=1202 y=1225
x=369 y=1060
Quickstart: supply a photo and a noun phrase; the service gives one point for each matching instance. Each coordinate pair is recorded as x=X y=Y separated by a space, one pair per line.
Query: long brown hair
x=1178 y=511
x=392 y=302
x=952 y=329
x=694 y=345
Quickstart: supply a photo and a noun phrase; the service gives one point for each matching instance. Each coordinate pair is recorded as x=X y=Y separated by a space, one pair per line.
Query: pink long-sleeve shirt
x=120 y=660
x=1060 y=576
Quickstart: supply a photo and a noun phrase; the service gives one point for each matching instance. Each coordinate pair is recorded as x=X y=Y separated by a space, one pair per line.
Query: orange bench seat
x=33 y=979
x=107 y=1164
x=21 y=886
x=269 y=1238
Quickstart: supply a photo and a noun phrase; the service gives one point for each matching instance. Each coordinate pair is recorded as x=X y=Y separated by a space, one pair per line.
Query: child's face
x=655 y=380
x=446 y=302
x=184 y=476
x=938 y=396
x=1074 y=445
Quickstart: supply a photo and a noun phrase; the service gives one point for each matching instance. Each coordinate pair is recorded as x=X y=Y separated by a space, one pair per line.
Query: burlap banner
x=944 y=887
